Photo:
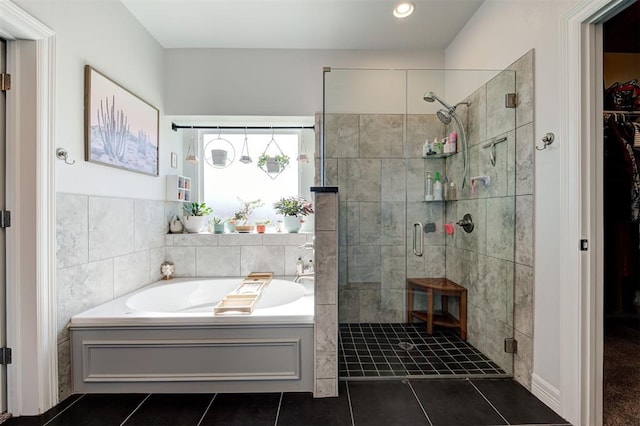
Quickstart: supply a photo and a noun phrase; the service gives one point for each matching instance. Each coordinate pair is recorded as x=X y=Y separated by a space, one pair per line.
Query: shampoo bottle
x=428 y=187
x=437 y=188
x=453 y=139
x=426 y=148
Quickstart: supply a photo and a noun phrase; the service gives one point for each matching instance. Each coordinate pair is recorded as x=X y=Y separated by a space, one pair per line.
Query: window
x=223 y=185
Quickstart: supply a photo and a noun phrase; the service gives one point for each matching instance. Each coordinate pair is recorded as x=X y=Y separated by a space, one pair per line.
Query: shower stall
x=375 y=124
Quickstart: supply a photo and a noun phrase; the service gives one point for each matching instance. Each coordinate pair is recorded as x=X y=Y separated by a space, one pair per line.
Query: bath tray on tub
x=243 y=298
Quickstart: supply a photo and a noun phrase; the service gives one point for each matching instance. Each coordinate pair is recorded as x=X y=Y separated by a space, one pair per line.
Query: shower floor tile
x=405 y=350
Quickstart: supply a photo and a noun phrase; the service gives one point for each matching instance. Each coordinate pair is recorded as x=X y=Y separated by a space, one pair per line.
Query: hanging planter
x=219 y=152
x=245 y=158
x=273 y=161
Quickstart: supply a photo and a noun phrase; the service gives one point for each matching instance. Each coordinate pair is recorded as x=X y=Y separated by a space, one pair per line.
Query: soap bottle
x=437 y=188
x=444 y=145
x=453 y=139
x=428 y=187
x=299 y=266
x=426 y=148
x=453 y=193
x=310 y=267
x=434 y=146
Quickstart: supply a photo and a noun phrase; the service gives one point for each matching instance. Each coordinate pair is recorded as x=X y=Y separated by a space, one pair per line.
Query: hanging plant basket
x=273 y=161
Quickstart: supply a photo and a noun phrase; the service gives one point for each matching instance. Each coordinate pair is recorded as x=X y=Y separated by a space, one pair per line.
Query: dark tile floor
x=405 y=350
x=452 y=401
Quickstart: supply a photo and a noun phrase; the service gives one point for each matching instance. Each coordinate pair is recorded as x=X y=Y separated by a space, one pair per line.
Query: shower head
x=430 y=97
x=444 y=115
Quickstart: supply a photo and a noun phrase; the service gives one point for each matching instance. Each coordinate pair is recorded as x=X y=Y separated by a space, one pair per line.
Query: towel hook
x=63 y=155
x=547 y=140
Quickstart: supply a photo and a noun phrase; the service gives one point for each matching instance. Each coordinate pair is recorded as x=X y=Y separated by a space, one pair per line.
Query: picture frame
x=120 y=129
x=174 y=160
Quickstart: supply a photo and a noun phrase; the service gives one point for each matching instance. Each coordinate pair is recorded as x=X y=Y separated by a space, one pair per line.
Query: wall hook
x=546 y=141
x=62 y=154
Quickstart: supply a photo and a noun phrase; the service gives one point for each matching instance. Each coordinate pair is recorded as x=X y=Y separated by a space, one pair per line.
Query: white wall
x=499 y=33
x=267 y=82
x=103 y=34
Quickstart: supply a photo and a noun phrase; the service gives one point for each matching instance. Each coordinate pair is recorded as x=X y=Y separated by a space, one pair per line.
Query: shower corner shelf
x=438 y=156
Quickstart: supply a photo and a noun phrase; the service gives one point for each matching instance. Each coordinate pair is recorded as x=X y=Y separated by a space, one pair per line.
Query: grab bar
x=418 y=226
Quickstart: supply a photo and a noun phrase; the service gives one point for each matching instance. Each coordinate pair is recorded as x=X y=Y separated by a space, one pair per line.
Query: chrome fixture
x=63 y=155
x=418 y=237
x=304 y=276
x=466 y=223
x=445 y=116
x=492 y=149
x=546 y=141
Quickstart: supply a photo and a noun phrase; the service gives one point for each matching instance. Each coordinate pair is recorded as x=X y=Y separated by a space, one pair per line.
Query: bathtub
x=166 y=338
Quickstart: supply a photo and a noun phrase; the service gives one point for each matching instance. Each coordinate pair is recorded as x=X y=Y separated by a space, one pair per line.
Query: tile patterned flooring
x=405 y=350
x=432 y=402
x=411 y=393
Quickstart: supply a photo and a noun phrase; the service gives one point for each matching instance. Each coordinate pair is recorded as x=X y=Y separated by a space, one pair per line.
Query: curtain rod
x=175 y=127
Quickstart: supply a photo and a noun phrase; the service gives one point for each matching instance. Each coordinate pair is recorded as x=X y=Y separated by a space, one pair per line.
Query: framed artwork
x=120 y=129
x=174 y=160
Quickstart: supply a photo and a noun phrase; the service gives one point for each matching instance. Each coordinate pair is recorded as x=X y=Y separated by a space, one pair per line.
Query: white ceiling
x=301 y=24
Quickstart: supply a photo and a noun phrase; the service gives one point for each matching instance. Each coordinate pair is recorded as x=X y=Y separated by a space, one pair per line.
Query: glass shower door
x=375 y=126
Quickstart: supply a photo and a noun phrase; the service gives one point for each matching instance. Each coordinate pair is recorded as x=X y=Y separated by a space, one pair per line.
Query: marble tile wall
x=107 y=247
x=496 y=264
x=382 y=188
x=326 y=294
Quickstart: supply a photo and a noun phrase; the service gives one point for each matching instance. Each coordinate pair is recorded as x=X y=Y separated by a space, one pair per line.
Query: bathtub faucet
x=304 y=276
x=308 y=246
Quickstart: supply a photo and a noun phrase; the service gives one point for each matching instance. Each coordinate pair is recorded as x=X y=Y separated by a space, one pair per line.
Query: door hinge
x=5 y=219
x=5 y=356
x=5 y=81
x=584 y=245
x=510 y=345
x=510 y=100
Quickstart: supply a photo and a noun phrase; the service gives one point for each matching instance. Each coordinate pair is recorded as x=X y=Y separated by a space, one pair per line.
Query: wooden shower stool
x=445 y=288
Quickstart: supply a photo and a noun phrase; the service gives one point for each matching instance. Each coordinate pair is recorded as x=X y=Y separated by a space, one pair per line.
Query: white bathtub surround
x=166 y=338
x=326 y=290
x=106 y=247
x=95 y=266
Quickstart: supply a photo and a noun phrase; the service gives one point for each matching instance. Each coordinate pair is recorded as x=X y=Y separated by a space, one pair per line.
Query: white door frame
x=32 y=388
x=581 y=327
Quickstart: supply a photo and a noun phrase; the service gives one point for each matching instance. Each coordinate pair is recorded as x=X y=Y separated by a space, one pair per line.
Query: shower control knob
x=466 y=223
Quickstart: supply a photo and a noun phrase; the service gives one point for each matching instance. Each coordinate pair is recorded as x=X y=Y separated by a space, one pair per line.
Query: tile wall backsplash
x=107 y=247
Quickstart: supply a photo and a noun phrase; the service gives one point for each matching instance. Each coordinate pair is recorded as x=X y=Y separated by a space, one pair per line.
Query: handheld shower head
x=430 y=97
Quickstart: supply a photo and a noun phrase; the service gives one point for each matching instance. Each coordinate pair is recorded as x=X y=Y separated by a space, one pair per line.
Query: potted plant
x=292 y=208
x=241 y=217
x=261 y=225
x=273 y=164
x=218 y=226
x=195 y=219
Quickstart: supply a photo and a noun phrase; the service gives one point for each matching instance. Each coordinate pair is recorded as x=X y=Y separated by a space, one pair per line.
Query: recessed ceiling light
x=403 y=9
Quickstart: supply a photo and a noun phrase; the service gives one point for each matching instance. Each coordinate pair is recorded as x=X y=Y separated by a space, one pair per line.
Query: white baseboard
x=545 y=392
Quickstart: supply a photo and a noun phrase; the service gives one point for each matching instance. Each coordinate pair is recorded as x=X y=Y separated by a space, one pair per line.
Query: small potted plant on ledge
x=261 y=225
x=241 y=217
x=195 y=219
x=218 y=226
x=292 y=208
